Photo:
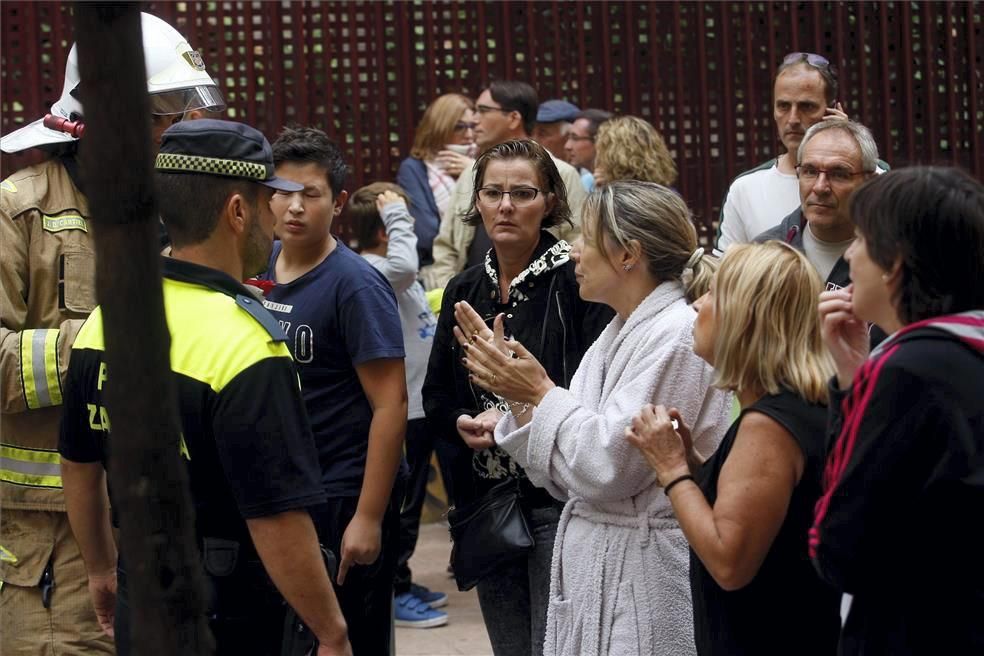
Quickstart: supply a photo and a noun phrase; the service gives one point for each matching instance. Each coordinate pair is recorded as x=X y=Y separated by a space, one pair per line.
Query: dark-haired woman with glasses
x=528 y=276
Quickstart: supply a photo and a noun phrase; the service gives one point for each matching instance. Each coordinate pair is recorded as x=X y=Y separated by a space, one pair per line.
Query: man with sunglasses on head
x=48 y=289
x=506 y=110
x=804 y=93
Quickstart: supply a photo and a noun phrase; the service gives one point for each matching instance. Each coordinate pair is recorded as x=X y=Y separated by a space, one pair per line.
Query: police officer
x=252 y=463
x=48 y=288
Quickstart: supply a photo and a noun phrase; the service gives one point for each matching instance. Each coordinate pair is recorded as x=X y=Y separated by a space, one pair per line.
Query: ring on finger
x=492 y=380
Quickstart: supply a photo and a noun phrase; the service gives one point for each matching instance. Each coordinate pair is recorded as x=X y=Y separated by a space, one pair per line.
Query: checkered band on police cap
x=211 y=165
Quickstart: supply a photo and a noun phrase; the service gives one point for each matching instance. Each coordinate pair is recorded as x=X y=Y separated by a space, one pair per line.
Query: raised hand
x=387 y=197
x=836 y=112
x=845 y=335
x=471 y=326
x=663 y=446
x=453 y=163
x=503 y=367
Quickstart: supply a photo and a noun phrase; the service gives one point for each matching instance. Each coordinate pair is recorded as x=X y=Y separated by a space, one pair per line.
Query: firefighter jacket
x=47 y=270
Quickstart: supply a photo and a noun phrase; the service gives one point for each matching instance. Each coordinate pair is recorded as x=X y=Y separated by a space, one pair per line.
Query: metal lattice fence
x=700 y=71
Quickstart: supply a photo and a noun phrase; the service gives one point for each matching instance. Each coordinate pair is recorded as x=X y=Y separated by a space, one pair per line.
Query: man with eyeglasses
x=553 y=122
x=834 y=158
x=48 y=289
x=506 y=110
x=804 y=93
x=580 y=145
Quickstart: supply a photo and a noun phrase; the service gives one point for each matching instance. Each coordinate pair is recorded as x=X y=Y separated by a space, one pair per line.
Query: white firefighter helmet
x=176 y=81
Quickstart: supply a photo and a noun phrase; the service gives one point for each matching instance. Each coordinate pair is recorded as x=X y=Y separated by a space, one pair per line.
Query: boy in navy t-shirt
x=343 y=327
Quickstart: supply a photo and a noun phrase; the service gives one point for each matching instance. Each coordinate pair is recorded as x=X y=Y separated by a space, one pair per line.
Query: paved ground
x=464 y=634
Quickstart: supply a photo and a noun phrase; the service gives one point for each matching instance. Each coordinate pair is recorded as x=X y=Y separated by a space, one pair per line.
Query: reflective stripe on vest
x=39 y=368
x=31 y=467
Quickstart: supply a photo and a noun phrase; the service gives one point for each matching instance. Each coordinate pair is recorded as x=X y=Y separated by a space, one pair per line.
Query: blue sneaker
x=411 y=612
x=431 y=598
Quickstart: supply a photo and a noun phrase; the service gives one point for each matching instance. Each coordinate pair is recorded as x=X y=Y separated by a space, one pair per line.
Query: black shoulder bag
x=488 y=532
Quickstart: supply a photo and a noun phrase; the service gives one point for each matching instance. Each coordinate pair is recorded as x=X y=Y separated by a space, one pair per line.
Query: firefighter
x=47 y=272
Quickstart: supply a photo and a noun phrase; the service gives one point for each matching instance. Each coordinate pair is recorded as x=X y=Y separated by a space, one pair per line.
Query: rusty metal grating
x=700 y=71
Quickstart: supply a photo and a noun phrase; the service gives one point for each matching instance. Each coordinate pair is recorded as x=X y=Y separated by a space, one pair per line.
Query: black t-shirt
x=785 y=609
x=244 y=434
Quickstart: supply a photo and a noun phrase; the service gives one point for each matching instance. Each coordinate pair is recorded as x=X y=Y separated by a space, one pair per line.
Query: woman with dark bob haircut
x=899 y=523
x=528 y=277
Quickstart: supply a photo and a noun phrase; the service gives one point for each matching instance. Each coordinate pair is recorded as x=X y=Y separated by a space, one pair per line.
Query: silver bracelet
x=512 y=406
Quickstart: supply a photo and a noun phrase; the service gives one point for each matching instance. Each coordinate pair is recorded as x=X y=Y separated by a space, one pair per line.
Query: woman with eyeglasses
x=619 y=581
x=746 y=510
x=443 y=147
x=528 y=278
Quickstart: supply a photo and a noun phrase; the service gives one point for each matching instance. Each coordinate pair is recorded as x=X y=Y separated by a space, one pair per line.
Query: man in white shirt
x=804 y=93
x=504 y=111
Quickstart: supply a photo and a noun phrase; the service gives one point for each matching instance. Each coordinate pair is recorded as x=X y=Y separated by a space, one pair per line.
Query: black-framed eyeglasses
x=810 y=173
x=576 y=137
x=519 y=196
x=813 y=59
x=485 y=109
x=463 y=126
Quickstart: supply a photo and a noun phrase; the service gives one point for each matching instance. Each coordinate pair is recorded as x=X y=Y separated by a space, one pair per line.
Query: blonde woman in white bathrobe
x=620 y=574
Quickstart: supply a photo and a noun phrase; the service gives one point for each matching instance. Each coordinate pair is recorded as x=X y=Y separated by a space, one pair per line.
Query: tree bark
x=148 y=479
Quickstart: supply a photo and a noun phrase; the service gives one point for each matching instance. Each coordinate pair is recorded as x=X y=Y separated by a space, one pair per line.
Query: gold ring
x=493 y=379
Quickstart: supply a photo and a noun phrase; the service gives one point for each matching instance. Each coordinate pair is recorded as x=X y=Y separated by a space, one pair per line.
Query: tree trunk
x=149 y=481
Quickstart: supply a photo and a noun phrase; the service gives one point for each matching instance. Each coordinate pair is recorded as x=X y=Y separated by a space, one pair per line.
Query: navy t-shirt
x=339 y=314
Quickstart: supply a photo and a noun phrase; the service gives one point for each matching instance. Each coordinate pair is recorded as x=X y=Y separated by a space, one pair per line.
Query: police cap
x=224 y=148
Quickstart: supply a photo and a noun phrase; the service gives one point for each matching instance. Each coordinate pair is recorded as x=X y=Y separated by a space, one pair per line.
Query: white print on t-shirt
x=278 y=307
x=303 y=341
x=304 y=344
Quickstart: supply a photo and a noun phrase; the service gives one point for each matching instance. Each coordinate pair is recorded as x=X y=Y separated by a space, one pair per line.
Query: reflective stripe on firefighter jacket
x=47 y=270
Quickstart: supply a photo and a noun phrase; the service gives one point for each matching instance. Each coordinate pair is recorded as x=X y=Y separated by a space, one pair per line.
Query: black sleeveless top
x=785 y=609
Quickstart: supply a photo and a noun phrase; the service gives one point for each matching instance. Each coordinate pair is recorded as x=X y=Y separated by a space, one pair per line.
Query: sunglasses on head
x=810 y=58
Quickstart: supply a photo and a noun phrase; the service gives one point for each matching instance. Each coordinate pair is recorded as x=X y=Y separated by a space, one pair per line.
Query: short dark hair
x=297 y=143
x=546 y=170
x=827 y=72
x=364 y=215
x=190 y=203
x=931 y=219
x=595 y=118
x=517 y=97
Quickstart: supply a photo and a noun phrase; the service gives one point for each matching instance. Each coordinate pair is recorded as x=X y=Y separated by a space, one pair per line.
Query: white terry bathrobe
x=620 y=575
